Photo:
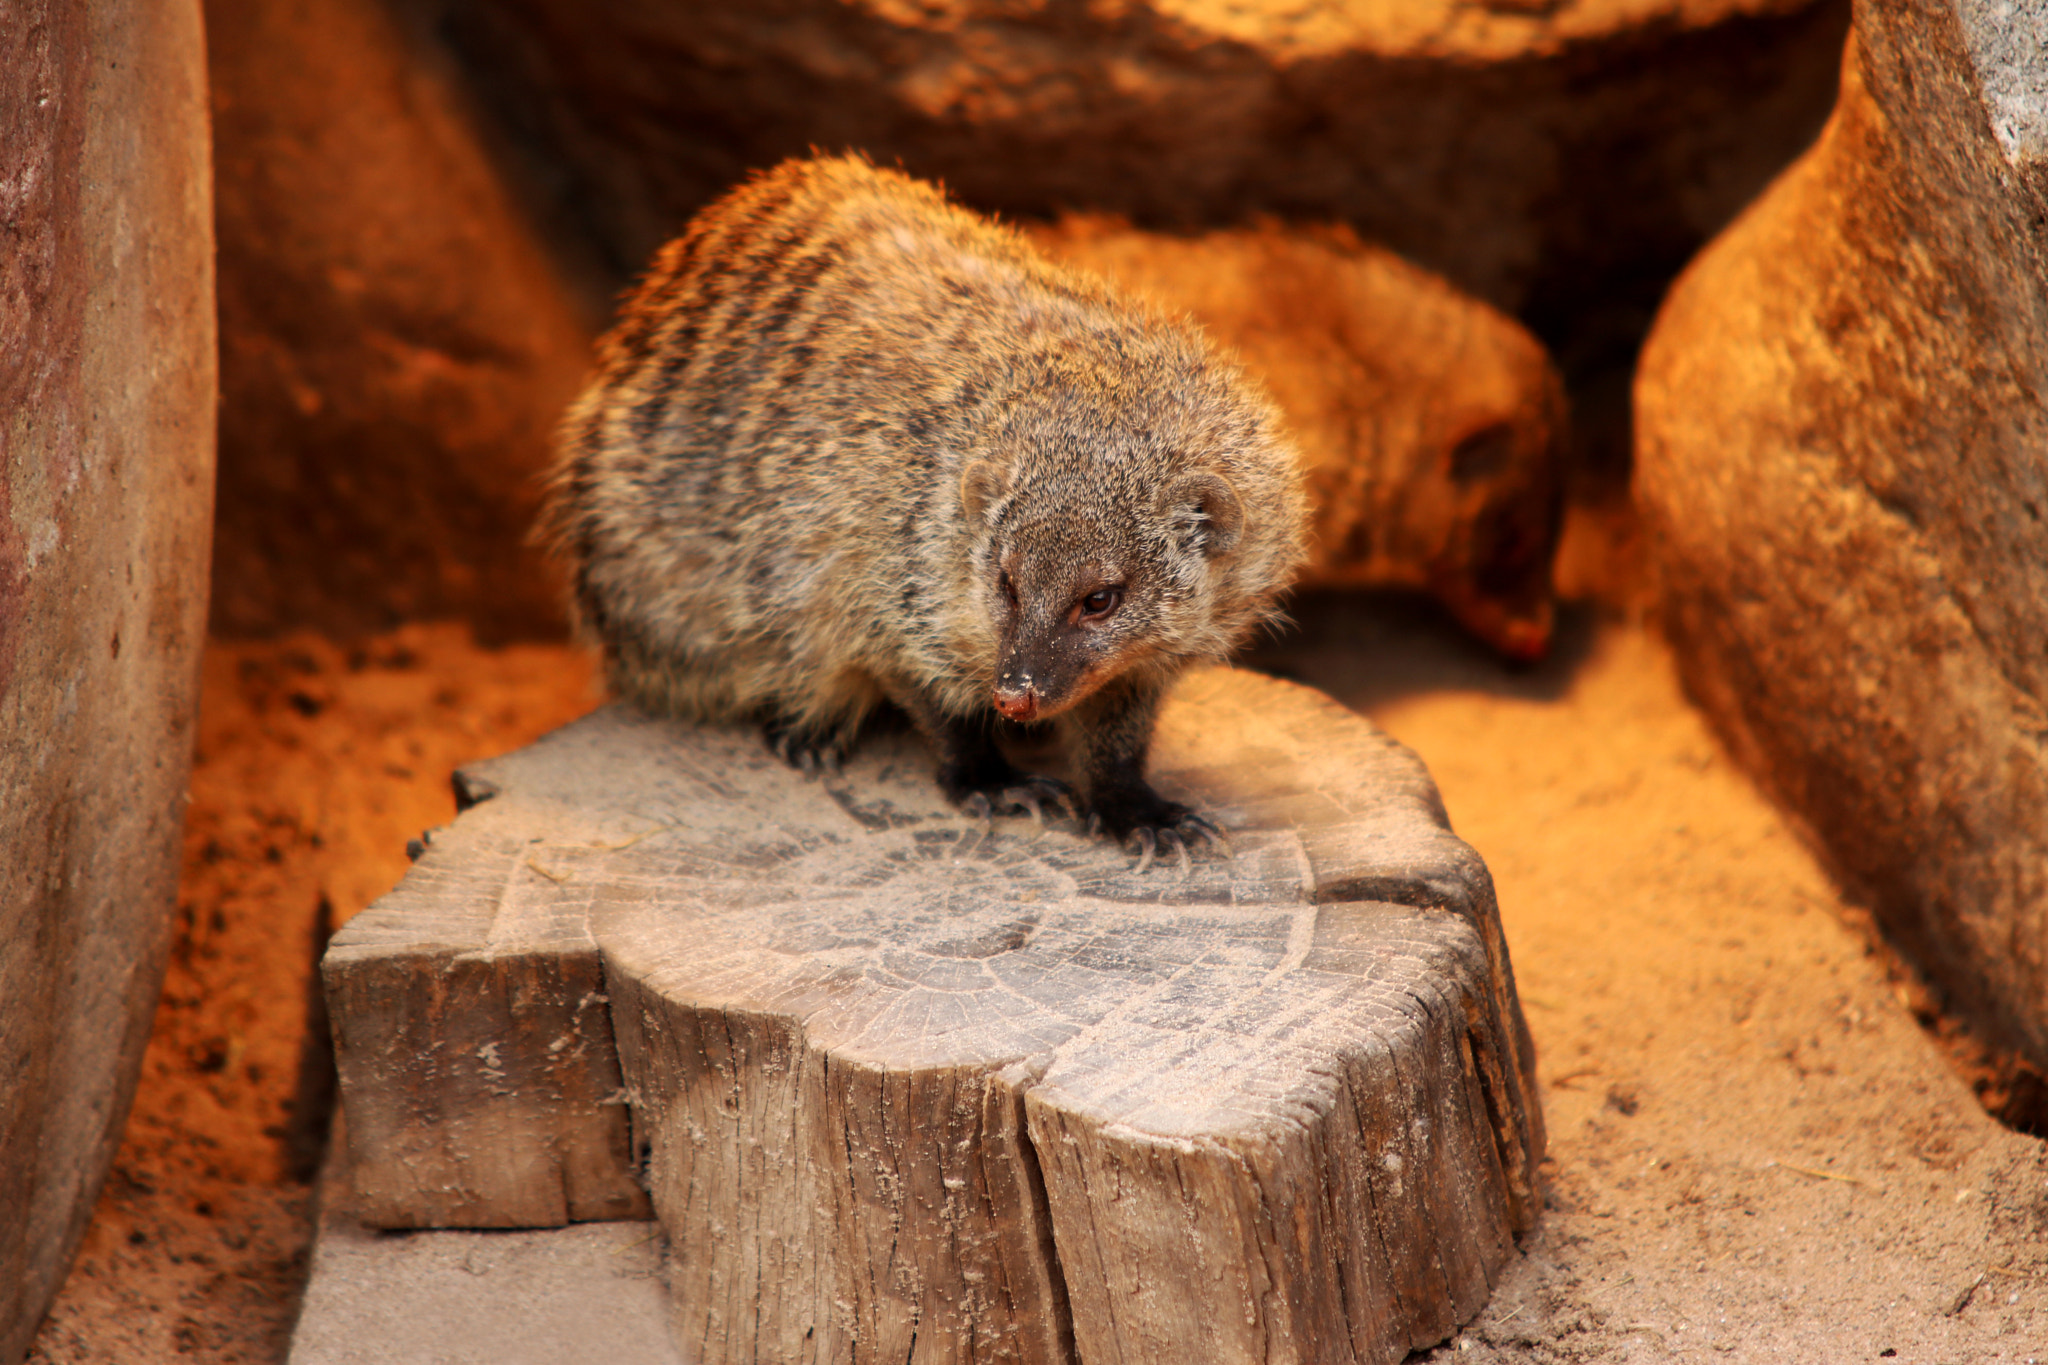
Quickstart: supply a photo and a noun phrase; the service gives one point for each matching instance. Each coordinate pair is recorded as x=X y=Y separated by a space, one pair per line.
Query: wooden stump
x=907 y=1088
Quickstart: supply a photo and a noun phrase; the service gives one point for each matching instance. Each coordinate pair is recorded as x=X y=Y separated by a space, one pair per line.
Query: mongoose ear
x=981 y=483
x=1207 y=512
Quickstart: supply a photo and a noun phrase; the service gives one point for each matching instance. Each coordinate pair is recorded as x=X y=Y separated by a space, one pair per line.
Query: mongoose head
x=1431 y=426
x=1113 y=539
x=1078 y=599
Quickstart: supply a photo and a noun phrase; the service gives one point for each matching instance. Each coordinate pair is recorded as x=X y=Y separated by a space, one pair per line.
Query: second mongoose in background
x=849 y=442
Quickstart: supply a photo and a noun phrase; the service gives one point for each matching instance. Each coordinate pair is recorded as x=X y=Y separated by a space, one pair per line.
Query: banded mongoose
x=849 y=442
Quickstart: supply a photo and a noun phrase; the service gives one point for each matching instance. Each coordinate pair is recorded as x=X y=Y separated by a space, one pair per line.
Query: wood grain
x=903 y=1087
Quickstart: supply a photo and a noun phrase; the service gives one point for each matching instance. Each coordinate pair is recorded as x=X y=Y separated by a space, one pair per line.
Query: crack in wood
x=905 y=1086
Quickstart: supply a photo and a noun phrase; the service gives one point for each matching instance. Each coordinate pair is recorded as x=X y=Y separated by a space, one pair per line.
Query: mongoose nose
x=1018 y=706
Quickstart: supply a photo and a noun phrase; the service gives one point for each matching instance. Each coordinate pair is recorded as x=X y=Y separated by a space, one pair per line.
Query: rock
x=396 y=344
x=1841 y=460
x=1431 y=425
x=408 y=289
x=902 y=1083
x=106 y=482
x=1543 y=155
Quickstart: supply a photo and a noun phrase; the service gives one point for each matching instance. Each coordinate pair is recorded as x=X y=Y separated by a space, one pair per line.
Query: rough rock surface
x=1432 y=427
x=1841 y=446
x=904 y=1084
x=396 y=345
x=408 y=286
x=1533 y=151
x=106 y=464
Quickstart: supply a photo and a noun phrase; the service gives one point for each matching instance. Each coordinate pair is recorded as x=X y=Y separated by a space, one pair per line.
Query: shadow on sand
x=1370 y=647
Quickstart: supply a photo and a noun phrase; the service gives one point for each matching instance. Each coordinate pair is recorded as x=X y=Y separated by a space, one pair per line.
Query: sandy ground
x=1756 y=1153
x=315 y=765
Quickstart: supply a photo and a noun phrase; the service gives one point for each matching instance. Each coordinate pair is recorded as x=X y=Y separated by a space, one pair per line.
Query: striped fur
x=760 y=495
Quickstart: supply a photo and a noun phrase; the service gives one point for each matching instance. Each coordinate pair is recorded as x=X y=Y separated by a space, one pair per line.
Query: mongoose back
x=848 y=443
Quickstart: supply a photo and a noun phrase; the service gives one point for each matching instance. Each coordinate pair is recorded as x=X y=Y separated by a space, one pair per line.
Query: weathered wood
x=909 y=1088
x=483 y=1085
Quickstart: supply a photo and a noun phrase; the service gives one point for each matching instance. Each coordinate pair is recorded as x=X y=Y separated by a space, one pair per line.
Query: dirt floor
x=315 y=765
x=1756 y=1153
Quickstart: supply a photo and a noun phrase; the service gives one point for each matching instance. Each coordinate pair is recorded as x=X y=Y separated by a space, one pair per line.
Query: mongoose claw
x=1148 y=845
x=1010 y=793
x=1154 y=823
x=1033 y=794
x=807 y=753
x=1150 y=841
x=1180 y=849
x=1210 y=832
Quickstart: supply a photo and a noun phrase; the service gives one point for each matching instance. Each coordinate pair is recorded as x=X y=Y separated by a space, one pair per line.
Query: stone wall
x=1534 y=153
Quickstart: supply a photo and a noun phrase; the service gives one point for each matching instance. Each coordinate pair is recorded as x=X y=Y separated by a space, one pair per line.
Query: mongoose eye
x=1009 y=588
x=1100 y=603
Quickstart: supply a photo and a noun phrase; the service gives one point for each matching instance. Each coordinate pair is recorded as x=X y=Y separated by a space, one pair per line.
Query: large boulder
x=106 y=484
x=1843 y=461
x=1537 y=153
x=396 y=343
x=425 y=206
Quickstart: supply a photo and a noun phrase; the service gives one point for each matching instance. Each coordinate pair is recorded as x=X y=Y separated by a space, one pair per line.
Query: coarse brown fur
x=849 y=442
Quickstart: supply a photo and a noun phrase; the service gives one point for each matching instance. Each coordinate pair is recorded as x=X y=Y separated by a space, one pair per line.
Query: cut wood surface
x=905 y=1087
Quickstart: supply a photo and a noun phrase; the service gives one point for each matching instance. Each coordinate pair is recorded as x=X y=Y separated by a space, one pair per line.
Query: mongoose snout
x=849 y=443
x=1055 y=651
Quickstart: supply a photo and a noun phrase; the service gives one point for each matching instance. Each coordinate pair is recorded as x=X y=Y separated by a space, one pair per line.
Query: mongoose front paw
x=1018 y=794
x=1151 y=822
x=805 y=750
